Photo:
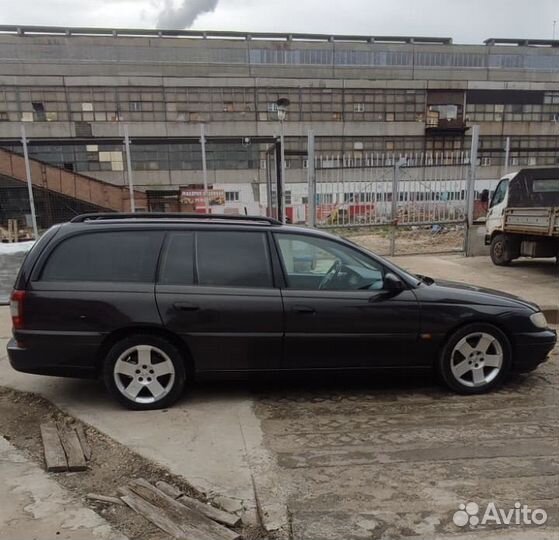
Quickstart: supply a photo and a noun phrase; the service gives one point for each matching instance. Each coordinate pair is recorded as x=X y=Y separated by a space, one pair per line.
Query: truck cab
x=523 y=216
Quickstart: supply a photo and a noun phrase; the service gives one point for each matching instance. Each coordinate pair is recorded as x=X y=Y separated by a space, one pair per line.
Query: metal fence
x=381 y=189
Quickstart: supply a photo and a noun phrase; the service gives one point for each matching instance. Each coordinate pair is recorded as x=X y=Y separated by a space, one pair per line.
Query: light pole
x=282 y=105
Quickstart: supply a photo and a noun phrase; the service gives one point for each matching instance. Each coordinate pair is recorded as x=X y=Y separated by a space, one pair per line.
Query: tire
x=500 y=250
x=475 y=359
x=144 y=372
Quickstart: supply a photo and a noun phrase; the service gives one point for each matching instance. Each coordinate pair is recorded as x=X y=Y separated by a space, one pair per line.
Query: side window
x=177 y=265
x=127 y=256
x=313 y=263
x=233 y=259
x=500 y=192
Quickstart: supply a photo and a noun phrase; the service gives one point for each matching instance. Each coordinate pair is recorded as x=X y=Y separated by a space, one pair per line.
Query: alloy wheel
x=476 y=359
x=144 y=374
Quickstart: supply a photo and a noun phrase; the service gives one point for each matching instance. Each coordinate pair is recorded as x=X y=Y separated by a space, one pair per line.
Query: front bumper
x=533 y=348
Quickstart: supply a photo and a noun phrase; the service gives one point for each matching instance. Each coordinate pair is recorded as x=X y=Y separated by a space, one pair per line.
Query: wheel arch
x=460 y=326
x=123 y=333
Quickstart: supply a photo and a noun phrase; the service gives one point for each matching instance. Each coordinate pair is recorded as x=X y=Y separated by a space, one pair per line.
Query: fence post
x=470 y=195
x=394 y=210
x=311 y=180
x=204 y=168
x=129 y=169
x=29 y=182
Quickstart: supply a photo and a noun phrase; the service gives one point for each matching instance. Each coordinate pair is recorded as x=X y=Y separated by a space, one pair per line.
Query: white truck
x=523 y=216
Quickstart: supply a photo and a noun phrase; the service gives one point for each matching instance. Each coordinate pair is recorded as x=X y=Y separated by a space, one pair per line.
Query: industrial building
x=362 y=96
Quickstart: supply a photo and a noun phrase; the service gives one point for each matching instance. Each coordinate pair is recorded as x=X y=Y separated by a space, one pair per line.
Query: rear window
x=233 y=259
x=127 y=256
x=546 y=185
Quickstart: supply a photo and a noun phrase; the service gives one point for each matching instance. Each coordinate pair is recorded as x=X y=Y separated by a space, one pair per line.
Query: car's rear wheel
x=500 y=250
x=144 y=372
x=475 y=359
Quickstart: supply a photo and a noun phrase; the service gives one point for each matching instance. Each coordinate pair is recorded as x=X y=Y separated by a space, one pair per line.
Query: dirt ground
x=383 y=458
x=112 y=464
x=410 y=240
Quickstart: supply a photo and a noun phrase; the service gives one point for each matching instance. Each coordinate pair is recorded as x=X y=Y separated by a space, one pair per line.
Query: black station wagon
x=151 y=301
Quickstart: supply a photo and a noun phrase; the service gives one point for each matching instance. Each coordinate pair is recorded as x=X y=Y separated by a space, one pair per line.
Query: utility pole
x=282 y=105
x=204 y=168
x=129 y=169
x=29 y=182
x=507 y=154
x=311 y=181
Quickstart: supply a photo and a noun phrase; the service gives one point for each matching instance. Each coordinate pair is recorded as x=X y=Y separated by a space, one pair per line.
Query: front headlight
x=538 y=320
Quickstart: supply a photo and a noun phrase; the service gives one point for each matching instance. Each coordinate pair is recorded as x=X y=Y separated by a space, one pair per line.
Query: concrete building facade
x=360 y=95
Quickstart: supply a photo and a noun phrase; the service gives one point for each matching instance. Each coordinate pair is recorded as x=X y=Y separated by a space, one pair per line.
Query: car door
x=215 y=290
x=337 y=312
x=494 y=220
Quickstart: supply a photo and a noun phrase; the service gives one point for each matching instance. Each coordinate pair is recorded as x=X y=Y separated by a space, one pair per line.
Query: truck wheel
x=500 y=250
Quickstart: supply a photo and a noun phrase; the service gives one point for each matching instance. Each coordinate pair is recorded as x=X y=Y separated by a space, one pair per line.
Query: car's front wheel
x=475 y=359
x=144 y=372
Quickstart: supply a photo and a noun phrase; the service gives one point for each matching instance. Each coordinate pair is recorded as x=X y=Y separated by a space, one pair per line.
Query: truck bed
x=535 y=221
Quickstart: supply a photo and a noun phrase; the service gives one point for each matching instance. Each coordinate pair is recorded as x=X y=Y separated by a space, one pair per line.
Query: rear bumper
x=531 y=349
x=47 y=361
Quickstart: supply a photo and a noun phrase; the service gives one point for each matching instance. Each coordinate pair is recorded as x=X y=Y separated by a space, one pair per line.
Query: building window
x=135 y=106
x=3 y=116
x=232 y=196
x=359 y=107
x=272 y=107
x=288 y=197
x=39 y=110
x=87 y=107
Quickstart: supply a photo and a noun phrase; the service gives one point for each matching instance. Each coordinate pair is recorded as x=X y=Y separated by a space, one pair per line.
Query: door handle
x=185 y=306
x=303 y=309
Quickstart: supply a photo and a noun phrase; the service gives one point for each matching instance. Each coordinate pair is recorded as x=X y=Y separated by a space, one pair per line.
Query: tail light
x=16 y=309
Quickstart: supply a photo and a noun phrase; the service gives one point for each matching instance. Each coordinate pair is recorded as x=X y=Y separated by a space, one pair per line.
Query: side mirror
x=393 y=283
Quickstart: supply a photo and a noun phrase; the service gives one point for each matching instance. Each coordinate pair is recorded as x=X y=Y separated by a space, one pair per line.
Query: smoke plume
x=179 y=18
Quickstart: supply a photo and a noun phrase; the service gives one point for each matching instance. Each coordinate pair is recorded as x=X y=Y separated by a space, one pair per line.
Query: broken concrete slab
x=32 y=505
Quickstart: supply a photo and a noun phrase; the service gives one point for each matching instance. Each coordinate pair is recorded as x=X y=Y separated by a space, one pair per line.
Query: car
x=149 y=302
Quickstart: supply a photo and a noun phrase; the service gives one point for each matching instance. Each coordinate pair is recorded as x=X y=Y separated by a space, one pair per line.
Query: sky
x=466 y=21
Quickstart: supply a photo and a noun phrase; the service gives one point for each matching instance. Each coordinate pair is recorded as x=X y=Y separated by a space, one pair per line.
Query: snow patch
x=15 y=247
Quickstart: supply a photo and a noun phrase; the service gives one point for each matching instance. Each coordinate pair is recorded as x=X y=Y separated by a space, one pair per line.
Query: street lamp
x=282 y=105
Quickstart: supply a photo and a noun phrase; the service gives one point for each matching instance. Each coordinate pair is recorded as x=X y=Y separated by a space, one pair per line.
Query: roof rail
x=102 y=216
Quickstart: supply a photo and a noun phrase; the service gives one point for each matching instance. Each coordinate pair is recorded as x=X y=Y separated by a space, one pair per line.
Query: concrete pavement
x=33 y=505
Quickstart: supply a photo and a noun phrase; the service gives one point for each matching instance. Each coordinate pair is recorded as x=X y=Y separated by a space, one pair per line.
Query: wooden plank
x=194 y=523
x=168 y=489
x=221 y=516
x=104 y=498
x=154 y=514
x=55 y=458
x=86 y=447
x=72 y=449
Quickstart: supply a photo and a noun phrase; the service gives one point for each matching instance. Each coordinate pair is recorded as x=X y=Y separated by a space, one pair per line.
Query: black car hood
x=453 y=292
